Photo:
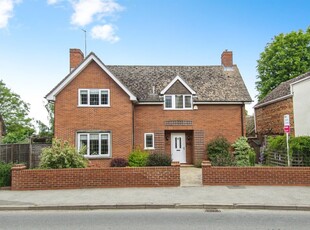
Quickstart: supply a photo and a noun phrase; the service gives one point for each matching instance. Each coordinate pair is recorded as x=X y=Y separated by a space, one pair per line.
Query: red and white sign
x=287 y=129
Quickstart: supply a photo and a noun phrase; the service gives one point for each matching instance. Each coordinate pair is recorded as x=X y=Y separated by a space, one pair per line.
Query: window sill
x=94 y=106
x=97 y=157
x=178 y=109
x=149 y=148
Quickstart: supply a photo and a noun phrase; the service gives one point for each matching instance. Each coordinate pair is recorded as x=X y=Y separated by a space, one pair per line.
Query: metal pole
x=288 y=151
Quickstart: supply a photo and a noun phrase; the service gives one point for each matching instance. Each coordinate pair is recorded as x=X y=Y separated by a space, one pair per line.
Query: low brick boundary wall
x=41 y=179
x=298 y=176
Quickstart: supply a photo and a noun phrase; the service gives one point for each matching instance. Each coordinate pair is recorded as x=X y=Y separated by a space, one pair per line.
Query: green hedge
x=5 y=174
x=299 y=146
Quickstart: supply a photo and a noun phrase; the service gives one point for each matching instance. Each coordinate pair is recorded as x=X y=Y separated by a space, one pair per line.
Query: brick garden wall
x=24 y=179
x=255 y=175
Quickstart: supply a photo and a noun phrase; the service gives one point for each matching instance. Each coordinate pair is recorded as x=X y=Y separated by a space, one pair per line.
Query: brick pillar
x=159 y=141
x=199 y=146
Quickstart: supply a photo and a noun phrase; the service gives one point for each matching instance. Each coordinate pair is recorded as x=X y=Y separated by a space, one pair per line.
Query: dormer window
x=178 y=102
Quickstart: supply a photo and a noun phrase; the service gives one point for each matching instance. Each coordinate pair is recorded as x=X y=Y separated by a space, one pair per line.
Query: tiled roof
x=282 y=90
x=211 y=83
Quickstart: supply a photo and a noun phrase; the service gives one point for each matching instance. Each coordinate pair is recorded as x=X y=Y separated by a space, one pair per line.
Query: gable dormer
x=178 y=95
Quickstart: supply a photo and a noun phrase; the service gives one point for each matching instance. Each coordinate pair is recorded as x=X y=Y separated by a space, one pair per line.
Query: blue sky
x=36 y=36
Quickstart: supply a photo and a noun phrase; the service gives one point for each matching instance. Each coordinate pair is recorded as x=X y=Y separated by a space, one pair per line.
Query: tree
x=286 y=57
x=47 y=130
x=15 y=115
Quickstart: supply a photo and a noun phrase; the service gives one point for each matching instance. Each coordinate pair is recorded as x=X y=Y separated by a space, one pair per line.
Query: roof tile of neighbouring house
x=211 y=83
x=282 y=90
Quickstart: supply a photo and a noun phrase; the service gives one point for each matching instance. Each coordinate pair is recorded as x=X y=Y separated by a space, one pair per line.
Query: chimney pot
x=76 y=58
x=227 y=59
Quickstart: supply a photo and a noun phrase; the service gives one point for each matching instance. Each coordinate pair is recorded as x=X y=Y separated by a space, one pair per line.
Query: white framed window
x=97 y=144
x=149 y=141
x=94 y=97
x=178 y=102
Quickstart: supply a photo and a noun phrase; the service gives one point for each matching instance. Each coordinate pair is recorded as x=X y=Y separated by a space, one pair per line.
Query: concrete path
x=241 y=197
x=190 y=176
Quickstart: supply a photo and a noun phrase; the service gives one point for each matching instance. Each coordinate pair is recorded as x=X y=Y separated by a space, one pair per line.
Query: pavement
x=191 y=194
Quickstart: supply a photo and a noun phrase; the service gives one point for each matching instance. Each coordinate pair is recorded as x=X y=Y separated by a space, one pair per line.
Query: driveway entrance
x=191 y=176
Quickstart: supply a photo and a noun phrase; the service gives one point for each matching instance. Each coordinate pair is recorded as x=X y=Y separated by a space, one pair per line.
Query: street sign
x=286 y=120
x=287 y=128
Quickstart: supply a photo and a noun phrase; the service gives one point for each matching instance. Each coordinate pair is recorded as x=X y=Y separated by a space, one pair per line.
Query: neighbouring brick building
x=2 y=127
x=173 y=109
x=290 y=97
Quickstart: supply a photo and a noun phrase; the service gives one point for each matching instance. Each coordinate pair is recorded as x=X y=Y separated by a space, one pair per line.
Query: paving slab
x=245 y=197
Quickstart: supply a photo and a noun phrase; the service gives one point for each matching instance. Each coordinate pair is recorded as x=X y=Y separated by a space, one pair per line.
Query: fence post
x=30 y=153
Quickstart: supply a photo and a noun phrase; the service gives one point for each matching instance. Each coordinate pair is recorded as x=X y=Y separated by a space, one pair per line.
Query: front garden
x=63 y=167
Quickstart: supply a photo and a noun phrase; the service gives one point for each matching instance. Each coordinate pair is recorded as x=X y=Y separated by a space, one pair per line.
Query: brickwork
x=199 y=146
x=23 y=179
x=208 y=122
x=70 y=119
x=282 y=176
x=160 y=141
x=227 y=58
x=269 y=118
x=76 y=57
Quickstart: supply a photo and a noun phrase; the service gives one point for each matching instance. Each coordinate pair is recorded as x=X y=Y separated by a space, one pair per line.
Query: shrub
x=242 y=152
x=5 y=174
x=277 y=143
x=218 y=152
x=138 y=158
x=119 y=162
x=62 y=155
x=300 y=147
x=252 y=158
x=159 y=159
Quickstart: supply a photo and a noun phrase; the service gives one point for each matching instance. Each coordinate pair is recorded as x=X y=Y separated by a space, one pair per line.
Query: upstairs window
x=94 y=97
x=178 y=102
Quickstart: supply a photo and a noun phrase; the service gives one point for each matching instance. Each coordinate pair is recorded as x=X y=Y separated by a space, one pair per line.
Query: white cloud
x=104 y=32
x=6 y=11
x=53 y=2
x=86 y=11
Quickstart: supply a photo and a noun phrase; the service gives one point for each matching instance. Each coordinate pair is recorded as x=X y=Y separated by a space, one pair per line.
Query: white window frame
x=148 y=148
x=173 y=101
x=88 y=98
x=87 y=155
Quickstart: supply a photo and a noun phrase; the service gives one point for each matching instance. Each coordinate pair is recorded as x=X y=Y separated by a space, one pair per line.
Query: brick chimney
x=76 y=57
x=227 y=59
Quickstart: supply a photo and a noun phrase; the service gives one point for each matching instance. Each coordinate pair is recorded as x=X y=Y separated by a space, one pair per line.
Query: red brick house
x=173 y=109
x=290 y=97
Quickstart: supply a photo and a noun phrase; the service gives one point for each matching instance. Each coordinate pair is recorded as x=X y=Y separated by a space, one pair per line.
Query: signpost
x=287 y=129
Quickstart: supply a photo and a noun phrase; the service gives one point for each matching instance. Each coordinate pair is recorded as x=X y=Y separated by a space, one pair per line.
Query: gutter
x=273 y=101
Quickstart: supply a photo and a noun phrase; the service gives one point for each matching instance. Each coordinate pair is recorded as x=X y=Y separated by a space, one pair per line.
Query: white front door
x=178 y=147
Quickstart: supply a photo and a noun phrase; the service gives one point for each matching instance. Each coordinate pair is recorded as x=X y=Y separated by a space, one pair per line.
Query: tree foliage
x=286 y=57
x=15 y=115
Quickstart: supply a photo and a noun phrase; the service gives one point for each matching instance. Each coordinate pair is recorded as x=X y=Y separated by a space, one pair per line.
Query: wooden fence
x=28 y=154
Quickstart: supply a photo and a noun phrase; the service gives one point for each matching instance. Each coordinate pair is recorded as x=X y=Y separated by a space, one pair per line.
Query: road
x=155 y=219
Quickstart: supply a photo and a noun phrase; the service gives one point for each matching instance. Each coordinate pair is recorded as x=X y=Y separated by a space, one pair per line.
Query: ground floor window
x=97 y=144
x=149 y=141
